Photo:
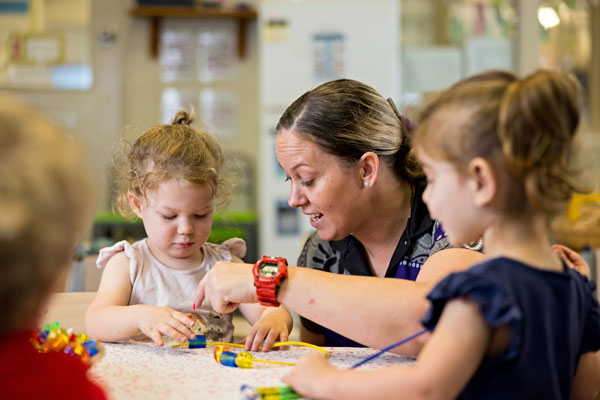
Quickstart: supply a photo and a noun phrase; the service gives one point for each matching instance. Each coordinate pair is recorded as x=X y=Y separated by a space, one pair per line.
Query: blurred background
x=112 y=68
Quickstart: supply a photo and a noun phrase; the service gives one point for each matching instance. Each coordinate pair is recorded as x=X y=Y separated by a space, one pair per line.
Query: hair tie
x=410 y=126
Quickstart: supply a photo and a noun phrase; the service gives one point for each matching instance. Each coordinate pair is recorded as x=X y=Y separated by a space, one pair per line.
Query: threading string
x=380 y=352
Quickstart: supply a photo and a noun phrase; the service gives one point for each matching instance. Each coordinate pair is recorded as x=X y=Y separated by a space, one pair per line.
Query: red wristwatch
x=269 y=272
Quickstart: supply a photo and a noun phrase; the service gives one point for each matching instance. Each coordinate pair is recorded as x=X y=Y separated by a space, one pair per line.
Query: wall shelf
x=157 y=13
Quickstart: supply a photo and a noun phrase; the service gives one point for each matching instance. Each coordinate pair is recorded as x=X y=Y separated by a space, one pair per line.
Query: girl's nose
x=185 y=227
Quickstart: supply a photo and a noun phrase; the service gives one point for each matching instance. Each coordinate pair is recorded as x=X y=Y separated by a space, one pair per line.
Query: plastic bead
x=199 y=342
x=244 y=360
x=55 y=338
x=227 y=358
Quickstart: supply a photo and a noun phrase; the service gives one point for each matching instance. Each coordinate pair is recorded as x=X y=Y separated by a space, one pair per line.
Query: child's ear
x=483 y=183
x=135 y=203
x=369 y=167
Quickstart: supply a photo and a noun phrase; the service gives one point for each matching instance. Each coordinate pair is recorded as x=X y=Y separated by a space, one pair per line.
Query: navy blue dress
x=553 y=318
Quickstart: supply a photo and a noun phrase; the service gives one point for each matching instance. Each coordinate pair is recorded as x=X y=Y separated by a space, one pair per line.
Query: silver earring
x=367 y=184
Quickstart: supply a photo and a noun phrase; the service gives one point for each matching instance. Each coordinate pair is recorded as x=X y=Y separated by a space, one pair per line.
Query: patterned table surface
x=141 y=370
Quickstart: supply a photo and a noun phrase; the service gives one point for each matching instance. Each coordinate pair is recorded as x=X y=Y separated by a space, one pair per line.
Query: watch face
x=268 y=269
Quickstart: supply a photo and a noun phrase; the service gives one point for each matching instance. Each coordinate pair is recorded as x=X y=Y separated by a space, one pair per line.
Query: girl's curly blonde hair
x=173 y=151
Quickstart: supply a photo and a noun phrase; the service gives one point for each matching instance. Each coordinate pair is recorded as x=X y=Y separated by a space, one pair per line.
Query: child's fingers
x=183 y=318
x=156 y=337
x=179 y=333
x=249 y=339
x=272 y=337
x=284 y=336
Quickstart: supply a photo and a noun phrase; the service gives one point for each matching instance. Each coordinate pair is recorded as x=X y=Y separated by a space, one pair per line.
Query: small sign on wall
x=37 y=49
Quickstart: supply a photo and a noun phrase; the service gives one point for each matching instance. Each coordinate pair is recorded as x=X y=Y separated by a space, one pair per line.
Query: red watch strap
x=267 y=294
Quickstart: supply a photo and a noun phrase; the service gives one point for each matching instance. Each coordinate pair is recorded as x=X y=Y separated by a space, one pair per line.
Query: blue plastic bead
x=199 y=342
x=227 y=358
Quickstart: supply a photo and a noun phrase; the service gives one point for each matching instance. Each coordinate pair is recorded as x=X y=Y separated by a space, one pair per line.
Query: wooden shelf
x=157 y=13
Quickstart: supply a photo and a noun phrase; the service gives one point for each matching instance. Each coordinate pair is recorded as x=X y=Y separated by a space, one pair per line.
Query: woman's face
x=328 y=192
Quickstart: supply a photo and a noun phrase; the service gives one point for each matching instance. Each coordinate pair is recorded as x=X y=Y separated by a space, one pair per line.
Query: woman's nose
x=297 y=198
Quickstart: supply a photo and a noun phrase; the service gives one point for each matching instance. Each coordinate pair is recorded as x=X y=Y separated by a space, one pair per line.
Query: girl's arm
x=586 y=383
x=446 y=364
x=269 y=324
x=109 y=318
x=373 y=311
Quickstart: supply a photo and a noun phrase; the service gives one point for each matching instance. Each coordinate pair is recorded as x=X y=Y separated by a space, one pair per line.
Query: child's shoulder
x=121 y=252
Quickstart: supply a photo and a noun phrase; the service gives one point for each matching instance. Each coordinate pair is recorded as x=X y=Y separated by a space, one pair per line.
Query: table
x=140 y=370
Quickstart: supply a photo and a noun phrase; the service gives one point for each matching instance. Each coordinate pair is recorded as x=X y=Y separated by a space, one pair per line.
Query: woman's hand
x=225 y=286
x=572 y=258
x=310 y=376
x=155 y=321
x=274 y=325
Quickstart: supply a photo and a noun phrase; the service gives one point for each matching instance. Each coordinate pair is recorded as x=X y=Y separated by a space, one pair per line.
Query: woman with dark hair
x=346 y=151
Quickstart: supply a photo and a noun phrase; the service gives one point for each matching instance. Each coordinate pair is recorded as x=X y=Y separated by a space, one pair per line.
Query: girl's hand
x=572 y=258
x=310 y=376
x=155 y=321
x=273 y=326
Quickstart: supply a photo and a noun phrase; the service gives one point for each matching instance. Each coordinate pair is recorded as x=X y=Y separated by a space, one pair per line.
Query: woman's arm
x=109 y=318
x=373 y=311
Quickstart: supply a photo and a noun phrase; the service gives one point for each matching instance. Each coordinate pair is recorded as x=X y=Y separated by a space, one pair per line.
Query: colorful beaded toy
x=268 y=393
x=54 y=338
x=243 y=359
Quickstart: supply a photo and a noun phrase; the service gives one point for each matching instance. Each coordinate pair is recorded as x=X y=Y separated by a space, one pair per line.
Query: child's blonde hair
x=44 y=204
x=523 y=127
x=174 y=151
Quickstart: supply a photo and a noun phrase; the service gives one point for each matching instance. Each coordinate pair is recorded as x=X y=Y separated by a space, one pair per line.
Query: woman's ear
x=369 y=168
x=135 y=203
x=483 y=182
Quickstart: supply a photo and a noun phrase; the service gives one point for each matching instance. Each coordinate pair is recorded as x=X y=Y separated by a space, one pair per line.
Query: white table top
x=141 y=370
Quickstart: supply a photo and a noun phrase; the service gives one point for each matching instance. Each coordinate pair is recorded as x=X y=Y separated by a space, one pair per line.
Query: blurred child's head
x=171 y=178
x=44 y=203
x=522 y=128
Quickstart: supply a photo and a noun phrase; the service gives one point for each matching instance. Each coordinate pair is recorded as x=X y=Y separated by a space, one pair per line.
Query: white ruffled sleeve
x=233 y=246
x=105 y=254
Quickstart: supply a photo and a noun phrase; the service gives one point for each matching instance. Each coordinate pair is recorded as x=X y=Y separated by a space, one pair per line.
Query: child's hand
x=572 y=258
x=310 y=376
x=273 y=326
x=156 y=321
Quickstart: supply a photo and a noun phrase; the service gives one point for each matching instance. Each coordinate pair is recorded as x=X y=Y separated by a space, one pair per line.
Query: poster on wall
x=216 y=54
x=177 y=54
x=328 y=56
x=219 y=112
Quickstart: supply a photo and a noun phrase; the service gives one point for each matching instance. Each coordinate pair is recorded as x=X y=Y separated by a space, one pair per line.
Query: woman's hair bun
x=182 y=118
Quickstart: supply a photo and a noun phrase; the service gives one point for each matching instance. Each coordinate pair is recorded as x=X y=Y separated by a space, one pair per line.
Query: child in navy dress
x=520 y=325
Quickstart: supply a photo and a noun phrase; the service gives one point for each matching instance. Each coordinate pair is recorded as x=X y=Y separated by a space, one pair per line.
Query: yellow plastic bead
x=244 y=360
x=82 y=337
x=79 y=349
